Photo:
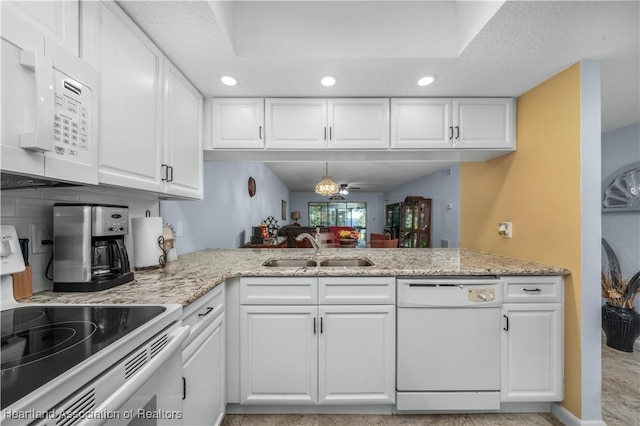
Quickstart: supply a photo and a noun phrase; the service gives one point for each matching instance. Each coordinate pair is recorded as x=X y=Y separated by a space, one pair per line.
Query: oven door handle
x=123 y=394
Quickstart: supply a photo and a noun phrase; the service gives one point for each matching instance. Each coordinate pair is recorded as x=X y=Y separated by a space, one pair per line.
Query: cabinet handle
x=325 y=133
x=330 y=136
x=184 y=388
x=209 y=309
x=260 y=132
x=320 y=325
x=531 y=290
x=458 y=132
x=507 y=327
x=170 y=168
x=314 y=325
x=165 y=172
x=451 y=129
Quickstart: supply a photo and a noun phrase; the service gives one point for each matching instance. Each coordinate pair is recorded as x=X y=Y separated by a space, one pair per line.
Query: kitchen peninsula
x=305 y=335
x=194 y=274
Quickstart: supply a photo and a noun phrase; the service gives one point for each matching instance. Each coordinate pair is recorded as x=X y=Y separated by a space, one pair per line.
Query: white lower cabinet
x=357 y=354
x=203 y=362
x=532 y=342
x=315 y=354
x=279 y=354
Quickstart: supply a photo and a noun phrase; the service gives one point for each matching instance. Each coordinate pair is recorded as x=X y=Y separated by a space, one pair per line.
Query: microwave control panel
x=71 y=120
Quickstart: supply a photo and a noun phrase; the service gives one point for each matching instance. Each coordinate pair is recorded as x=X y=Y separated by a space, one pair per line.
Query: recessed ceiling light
x=328 y=81
x=229 y=81
x=427 y=80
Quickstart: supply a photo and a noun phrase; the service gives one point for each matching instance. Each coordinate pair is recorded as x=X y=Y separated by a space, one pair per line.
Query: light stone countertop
x=194 y=274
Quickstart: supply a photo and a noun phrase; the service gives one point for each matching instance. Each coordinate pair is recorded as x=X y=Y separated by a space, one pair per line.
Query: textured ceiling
x=523 y=44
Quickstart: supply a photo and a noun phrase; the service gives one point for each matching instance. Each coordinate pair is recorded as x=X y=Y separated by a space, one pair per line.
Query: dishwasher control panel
x=449 y=292
x=481 y=294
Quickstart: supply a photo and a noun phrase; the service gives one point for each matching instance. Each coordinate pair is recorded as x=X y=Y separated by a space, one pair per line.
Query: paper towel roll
x=146 y=231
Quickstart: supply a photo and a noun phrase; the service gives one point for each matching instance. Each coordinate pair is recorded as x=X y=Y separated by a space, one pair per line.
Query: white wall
x=621 y=147
x=223 y=219
x=24 y=207
x=375 y=206
x=443 y=187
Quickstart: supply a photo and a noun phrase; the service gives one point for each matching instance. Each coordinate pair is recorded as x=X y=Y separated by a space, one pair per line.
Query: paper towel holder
x=163 y=257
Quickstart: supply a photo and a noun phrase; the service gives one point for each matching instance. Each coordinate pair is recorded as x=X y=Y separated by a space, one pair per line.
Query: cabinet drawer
x=357 y=291
x=279 y=291
x=532 y=289
x=199 y=314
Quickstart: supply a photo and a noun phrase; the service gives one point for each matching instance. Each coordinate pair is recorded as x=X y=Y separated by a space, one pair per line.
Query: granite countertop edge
x=195 y=274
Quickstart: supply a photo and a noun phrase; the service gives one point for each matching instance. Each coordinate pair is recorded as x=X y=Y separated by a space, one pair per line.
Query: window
x=340 y=213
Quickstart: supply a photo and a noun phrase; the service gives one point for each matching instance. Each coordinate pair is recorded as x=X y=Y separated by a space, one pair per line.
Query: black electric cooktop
x=39 y=343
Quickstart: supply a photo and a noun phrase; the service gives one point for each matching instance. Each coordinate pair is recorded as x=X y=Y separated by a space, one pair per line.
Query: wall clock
x=251 y=186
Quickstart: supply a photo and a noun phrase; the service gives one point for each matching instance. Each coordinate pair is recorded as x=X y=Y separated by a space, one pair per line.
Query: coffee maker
x=88 y=247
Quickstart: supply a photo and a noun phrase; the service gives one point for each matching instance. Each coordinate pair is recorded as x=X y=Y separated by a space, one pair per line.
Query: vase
x=621 y=327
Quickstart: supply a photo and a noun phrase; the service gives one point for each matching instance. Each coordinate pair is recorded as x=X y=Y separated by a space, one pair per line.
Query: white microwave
x=49 y=107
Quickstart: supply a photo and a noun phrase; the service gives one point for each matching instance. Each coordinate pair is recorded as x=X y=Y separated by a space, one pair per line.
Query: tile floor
x=620 y=405
x=620 y=386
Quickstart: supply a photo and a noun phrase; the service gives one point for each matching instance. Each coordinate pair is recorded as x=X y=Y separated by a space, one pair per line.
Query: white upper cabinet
x=234 y=123
x=296 y=123
x=182 y=135
x=347 y=123
x=358 y=123
x=130 y=152
x=55 y=19
x=421 y=123
x=483 y=123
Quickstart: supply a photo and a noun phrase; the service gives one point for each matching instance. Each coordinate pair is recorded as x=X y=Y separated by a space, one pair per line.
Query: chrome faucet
x=314 y=242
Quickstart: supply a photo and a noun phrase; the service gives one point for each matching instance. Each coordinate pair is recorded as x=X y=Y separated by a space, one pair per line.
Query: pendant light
x=326 y=186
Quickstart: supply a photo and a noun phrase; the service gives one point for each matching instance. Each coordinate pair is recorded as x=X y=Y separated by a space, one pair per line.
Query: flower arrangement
x=619 y=291
x=347 y=235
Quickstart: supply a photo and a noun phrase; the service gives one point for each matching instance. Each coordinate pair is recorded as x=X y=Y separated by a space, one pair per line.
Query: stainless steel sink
x=291 y=263
x=346 y=262
x=310 y=263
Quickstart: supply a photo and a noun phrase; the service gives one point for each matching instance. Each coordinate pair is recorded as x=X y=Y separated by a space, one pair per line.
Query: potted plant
x=620 y=322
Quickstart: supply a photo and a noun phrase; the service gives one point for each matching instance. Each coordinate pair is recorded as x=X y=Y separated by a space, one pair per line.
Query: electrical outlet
x=39 y=233
x=505 y=229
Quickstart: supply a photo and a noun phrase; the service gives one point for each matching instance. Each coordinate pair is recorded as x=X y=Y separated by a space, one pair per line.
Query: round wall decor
x=251 y=186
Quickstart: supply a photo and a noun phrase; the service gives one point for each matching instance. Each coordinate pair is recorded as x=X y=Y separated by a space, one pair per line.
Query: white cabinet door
x=279 y=354
x=296 y=123
x=532 y=352
x=421 y=123
x=484 y=123
x=203 y=372
x=182 y=135
x=357 y=354
x=235 y=123
x=358 y=123
x=55 y=19
x=130 y=65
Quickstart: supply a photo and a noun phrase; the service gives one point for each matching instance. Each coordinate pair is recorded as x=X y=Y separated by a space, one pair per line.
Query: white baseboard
x=569 y=419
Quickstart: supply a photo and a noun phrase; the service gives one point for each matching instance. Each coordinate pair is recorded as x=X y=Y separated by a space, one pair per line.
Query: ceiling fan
x=345 y=188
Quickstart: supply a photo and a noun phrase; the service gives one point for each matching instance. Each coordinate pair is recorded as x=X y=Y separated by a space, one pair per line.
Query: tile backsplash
x=25 y=207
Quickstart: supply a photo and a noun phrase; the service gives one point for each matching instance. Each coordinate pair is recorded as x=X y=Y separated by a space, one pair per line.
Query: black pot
x=621 y=327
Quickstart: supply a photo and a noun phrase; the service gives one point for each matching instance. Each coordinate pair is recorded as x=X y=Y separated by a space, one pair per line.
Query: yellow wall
x=538 y=189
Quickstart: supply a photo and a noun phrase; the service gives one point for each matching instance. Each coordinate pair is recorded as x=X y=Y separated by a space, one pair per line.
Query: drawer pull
x=209 y=309
x=529 y=290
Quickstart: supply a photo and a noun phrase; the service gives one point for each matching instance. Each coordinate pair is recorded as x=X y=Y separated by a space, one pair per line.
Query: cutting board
x=22 y=284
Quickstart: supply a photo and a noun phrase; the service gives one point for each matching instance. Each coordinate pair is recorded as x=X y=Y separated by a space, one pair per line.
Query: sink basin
x=346 y=262
x=310 y=263
x=291 y=263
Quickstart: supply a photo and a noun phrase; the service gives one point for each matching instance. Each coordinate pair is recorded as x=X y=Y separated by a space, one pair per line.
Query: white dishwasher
x=448 y=343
